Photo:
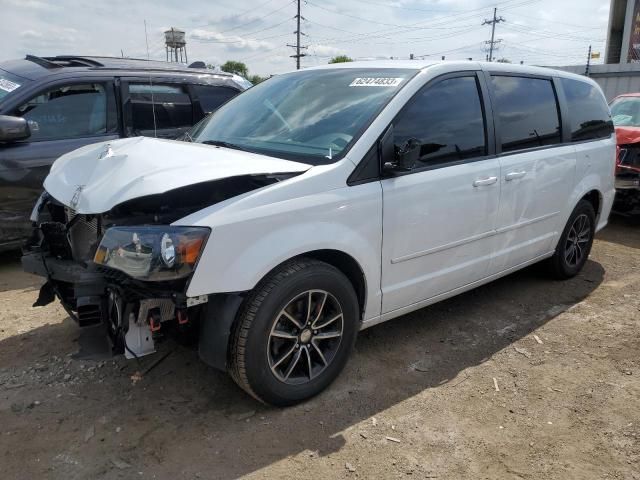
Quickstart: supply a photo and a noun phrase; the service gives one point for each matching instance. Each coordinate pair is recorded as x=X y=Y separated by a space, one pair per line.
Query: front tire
x=295 y=332
x=575 y=242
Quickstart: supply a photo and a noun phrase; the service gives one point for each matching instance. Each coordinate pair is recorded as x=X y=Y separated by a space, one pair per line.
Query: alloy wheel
x=577 y=240
x=305 y=337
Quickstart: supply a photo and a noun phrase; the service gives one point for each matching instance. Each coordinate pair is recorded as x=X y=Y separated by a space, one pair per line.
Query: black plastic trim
x=218 y=316
x=368 y=170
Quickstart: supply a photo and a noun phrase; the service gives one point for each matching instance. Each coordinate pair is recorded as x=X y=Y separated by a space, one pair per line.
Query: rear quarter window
x=211 y=97
x=527 y=110
x=171 y=105
x=588 y=111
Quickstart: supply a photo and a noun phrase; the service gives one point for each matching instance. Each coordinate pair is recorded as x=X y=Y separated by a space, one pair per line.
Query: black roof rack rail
x=43 y=62
x=74 y=61
x=115 y=58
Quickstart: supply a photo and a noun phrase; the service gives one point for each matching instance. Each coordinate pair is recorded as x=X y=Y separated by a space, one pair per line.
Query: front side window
x=625 y=112
x=588 y=111
x=71 y=111
x=311 y=116
x=527 y=111
x=170 y=104
x=447 y=120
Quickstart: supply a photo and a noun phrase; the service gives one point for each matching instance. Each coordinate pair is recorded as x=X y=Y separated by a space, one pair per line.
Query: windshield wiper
x=221 y=143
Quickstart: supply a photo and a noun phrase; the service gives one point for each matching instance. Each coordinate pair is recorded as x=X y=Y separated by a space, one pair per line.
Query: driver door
x=439 y=218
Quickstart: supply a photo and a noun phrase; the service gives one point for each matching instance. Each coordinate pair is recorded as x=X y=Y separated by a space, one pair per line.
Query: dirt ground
x=523 y=378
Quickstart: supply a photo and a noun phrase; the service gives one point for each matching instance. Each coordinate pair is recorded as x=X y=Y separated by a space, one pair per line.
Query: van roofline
x=454 y=65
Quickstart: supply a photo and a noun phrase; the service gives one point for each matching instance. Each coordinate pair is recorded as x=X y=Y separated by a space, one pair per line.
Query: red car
x=625 y=110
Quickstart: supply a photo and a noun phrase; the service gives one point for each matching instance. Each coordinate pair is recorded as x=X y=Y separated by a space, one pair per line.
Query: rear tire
x=575 y=242
x=294 y=333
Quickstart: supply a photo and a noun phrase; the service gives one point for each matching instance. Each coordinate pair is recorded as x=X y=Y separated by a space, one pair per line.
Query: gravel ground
x=523 y=378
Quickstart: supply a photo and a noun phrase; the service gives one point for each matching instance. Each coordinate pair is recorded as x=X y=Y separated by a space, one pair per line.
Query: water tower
x=176 y=45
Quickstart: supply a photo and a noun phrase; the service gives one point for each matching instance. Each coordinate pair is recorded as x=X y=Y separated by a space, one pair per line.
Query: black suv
x=50 y=106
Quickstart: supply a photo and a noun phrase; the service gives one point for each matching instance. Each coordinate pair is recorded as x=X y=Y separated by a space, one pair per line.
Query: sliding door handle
x=481 y=182
x=514 y=175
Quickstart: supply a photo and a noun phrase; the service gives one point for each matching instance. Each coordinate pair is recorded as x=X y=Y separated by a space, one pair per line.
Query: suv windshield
x=10 y=83
x=625 y=112
x=312 y=116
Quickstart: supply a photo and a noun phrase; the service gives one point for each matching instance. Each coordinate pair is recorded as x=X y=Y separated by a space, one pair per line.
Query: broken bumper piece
x=133 y=313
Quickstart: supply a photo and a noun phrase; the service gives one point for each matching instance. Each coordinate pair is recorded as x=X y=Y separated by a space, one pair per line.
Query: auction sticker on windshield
x=376 y=82
x=7 y=85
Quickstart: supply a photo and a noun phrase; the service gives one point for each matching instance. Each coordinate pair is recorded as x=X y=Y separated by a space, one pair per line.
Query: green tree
x=239 y=68
x=341 y=59
x=256 y=79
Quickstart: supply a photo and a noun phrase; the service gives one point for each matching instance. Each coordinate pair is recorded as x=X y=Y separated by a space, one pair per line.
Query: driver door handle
x=514 y=175
x=481 y=182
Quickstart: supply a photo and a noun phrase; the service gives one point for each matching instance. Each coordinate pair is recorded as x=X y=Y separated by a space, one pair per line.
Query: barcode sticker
x=376 y=82
x=8 y=86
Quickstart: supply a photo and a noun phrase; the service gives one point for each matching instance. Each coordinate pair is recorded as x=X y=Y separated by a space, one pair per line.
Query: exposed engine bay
x=128 y=269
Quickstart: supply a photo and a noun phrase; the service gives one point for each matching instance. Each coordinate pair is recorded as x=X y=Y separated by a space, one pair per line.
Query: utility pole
x=493 y=42
x=586 y=70
x=297 y=46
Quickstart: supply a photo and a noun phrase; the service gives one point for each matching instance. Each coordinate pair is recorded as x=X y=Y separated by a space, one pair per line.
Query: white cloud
x=327 y=50
x=233 y=42
x=31 y=4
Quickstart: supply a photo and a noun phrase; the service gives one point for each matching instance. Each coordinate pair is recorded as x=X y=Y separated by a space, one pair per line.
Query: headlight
x=167 y=250
x=152 y=253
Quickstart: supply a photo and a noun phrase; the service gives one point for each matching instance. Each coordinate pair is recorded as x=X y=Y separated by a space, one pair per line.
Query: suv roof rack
x=73 y=61
x=116 y=63
x=43 y=62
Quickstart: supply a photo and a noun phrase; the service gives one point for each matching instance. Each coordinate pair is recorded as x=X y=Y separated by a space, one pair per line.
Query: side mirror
x=398 y=158
x=13 y=128
x=408 y=154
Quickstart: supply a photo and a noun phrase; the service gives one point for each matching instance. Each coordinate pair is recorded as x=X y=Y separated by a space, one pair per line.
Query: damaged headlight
x=152 y=253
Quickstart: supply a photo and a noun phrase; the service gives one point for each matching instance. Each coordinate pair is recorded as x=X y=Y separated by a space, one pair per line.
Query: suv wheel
x=295 y=332
x=575 y=243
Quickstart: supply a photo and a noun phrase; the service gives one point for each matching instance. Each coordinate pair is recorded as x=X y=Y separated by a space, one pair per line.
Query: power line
x=528 y=17
x=206 y=40
x=434 y=54
x=468 y=15
x=252 y=21
x=548 y=34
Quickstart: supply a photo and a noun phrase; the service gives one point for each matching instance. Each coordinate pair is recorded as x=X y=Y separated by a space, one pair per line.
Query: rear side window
x=527 y=111
x=212 y=97
x=447 y=119
x=588 y=111
x=171 y=103
x=70 y=111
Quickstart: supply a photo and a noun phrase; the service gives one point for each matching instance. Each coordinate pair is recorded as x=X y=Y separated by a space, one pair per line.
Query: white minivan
x=322 y=202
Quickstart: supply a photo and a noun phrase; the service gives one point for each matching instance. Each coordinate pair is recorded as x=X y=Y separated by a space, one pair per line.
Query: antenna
x=153 y=103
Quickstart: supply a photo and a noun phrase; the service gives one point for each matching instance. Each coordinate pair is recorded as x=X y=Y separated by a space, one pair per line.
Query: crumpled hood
x=95 y=178
x=627 y=135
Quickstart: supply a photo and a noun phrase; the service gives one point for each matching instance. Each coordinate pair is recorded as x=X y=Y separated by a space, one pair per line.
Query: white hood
x=95 y=178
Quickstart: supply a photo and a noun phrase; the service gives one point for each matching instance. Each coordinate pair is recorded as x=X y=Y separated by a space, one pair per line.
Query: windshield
x=9 y=83
x=625 y=112
x=312 y=116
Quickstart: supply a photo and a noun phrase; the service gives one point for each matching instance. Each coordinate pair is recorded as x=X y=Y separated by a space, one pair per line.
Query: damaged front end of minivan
x=125 y=270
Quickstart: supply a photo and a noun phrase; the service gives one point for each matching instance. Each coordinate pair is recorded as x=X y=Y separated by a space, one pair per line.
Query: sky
x=256 y=32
